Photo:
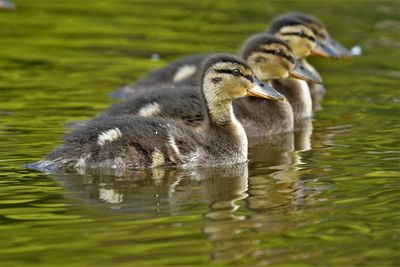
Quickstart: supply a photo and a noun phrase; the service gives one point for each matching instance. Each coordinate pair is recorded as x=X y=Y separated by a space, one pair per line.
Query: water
x=335 y=204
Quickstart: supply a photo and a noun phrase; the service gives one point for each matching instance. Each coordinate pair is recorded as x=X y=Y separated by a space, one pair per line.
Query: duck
x=338 y=51
x=304 y=43
x=268 y=56
x=134 y=142
x=273 y=60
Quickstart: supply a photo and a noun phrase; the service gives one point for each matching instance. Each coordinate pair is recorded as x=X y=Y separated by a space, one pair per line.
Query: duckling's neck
x=221 y=113
x=219 y=106
x=224 y=131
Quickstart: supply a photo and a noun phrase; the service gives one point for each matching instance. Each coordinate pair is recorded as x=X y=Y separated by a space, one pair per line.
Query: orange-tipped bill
x=264 y=90
x=300 y=72
x=324 y=50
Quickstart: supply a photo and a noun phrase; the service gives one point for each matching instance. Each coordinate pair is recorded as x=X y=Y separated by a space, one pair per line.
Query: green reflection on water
x=335 y=204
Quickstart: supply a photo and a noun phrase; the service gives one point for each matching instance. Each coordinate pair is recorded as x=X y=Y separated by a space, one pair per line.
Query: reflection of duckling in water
x=232 y=224
x=134 y=192
x=167 y=191
x=269 y=57
x=139 y=142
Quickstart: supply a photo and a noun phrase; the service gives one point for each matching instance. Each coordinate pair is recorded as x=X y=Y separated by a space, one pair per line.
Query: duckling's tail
x=64 y=157
x=41 y=165
x=73 y=125
x=123 y=92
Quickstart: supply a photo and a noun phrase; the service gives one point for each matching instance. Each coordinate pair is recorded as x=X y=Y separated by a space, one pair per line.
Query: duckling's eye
x=302 y=34
x=260 y=59
x=279 y=52
x=236 y=72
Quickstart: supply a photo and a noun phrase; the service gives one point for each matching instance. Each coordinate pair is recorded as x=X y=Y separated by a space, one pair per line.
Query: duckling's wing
x=125 y=142
x=181 y=102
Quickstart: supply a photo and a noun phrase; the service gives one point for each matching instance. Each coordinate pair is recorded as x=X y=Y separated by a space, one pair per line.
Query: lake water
x=331 y=199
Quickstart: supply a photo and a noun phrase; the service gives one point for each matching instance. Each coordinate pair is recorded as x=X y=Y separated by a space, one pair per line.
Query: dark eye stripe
x=273 y=52
x=225 y=71
x=301 y=35
x=248 y=77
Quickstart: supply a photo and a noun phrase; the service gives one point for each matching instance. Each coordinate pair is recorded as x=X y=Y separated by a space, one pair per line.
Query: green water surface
x=331 y=199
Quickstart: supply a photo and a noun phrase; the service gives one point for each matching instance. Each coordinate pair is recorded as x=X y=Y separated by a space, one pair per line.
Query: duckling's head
x=268 y=56
x=272 y=58
x=297 y=34
x=318 y=27
x=226 y=77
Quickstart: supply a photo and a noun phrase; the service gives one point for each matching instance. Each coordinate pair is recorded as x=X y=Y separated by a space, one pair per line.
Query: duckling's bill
x=264 y=90
x=340 y=49
x=302 y=73
x=325 y=50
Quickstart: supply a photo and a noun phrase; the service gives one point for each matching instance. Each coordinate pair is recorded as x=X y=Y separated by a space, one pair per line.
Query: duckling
x=303 y=42
x=337 y=51
x=272 y=59
x=127 y=142
x=269 y=57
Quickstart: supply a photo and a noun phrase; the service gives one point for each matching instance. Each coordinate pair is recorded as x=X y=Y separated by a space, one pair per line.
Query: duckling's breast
x=264 y=117
x=297 y=94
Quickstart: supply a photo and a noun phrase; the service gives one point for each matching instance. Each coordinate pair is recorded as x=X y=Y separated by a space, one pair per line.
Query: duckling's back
x=180 y=101
x=123 y=142
x=179 y=70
